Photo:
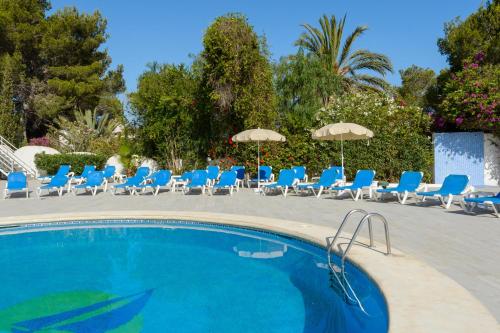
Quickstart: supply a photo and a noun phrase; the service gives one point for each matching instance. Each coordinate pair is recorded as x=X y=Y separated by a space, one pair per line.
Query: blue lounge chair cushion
x=109 y=171
x=227 y=179
x=300 y=172
x=86 y=170
x=159 y=178
x=452 y=185
x=265 y=173
x=94 y=178
x=199 y=178
x=213 y=172
x=364 y=178
x=240 y=171
x=16 y=181
x=327 y=179
x=409 y=182
x=56 y=182
x=493 y=199
x=285 y=178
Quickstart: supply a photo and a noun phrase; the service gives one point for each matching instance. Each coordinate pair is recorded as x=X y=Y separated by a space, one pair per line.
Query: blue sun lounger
x=213 y=173
x=227 y=181
x=64 y=170
x=86 y=170
x=266 y=176
x=240 y=175
x=408 y=183
x=286 y=180
x=16 y=182
x=135 y=180
x=363 y=180
x=56 y=183
x=327 y=179
x=453 y=185
x=300 y=173
x=95 y=179
x=199 y=180
x=468 y=204
x=159 y=179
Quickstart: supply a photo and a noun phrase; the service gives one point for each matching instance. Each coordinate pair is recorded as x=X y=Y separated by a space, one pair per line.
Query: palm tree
x=325 y=43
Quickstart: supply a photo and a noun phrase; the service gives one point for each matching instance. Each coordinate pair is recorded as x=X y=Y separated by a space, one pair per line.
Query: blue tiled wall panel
x=459 y=153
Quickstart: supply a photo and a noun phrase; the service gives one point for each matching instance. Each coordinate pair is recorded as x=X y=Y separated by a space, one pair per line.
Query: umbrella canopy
x=340 y=132
x=258 y=135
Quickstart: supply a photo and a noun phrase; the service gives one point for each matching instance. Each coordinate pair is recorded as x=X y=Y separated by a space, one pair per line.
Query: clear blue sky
x=168 y=31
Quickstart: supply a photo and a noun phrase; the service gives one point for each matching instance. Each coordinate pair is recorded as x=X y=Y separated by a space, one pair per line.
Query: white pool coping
x=419 y=298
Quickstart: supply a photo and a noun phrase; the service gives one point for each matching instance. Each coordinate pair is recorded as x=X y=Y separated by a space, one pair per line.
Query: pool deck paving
x=461 y=246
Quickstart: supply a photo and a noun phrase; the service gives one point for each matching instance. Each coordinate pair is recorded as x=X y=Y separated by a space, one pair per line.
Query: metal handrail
x=366 y=218
x=7 y=152
x=346 y=287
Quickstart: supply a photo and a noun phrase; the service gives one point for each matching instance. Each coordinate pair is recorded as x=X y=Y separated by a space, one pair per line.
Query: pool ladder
x=339 y=272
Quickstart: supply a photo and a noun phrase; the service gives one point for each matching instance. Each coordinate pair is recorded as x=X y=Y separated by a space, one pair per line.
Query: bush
x=50 y=163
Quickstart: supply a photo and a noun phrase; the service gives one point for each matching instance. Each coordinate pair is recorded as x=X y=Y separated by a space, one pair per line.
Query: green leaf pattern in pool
x=76 y=311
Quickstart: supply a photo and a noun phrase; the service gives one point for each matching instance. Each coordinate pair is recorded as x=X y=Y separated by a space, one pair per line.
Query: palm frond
x=348 y=43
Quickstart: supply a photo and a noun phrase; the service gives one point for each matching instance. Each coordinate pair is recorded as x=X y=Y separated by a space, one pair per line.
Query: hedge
x=50 y=163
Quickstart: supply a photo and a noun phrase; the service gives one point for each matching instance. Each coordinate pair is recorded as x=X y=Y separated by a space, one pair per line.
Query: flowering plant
x=471 y=98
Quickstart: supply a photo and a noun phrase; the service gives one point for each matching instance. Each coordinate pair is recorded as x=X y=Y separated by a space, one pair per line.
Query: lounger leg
x=355 y=197
x=405 y=196
x=495 y=210
x=319 y=192
x=450 y=200
x=286 y=191
x=27 y=193
x=230 y=191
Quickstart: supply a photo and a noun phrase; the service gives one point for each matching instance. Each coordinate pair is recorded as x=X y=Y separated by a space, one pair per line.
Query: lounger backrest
x=109 y=171
x=339 y=172
x=286 y=177
x=186 y=175
x=328 y=177
x=63 y=170
x=363 y=178
x=95 y=178
x=16 y=179
x=265 y=172
x=58 y=181
x=162 y=177
x=142 y=172
x=199 y=178
x=300 y=172
x=87 y=169
x=213 y=172
x=410 y=181
x=228 y=178
x=454 y=184
x=240 y=171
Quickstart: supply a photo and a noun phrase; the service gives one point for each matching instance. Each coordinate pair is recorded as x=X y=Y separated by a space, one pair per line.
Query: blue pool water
x=173 y=276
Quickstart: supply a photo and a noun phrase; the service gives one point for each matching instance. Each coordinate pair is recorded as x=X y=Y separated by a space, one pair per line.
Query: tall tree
x=237 y=77
x=325 y=42
x=10 y=120
x=480 y=32
x=61 y=63
x=165 y=110
x=416 y=82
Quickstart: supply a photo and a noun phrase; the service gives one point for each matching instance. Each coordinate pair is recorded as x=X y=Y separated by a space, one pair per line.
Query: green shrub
x=50 y=163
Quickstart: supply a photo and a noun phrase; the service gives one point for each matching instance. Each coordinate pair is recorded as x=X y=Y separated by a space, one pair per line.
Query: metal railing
x=9 y=161
x=339 y=273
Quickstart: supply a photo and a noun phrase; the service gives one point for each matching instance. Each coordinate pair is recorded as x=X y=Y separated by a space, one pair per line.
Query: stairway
x=10 y=162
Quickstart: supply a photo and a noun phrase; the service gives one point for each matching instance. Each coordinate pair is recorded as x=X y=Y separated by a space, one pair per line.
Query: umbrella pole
x=342 y=153
x=258 y=166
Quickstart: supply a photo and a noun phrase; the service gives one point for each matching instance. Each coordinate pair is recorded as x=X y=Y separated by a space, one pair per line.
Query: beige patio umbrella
x=258 y=135
x=342 y=132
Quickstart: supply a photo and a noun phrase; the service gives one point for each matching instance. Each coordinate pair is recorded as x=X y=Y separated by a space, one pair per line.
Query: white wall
x=27 y=154
x=491 y=160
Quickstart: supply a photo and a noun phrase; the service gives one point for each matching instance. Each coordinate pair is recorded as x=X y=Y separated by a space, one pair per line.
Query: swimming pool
x=173 y=276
